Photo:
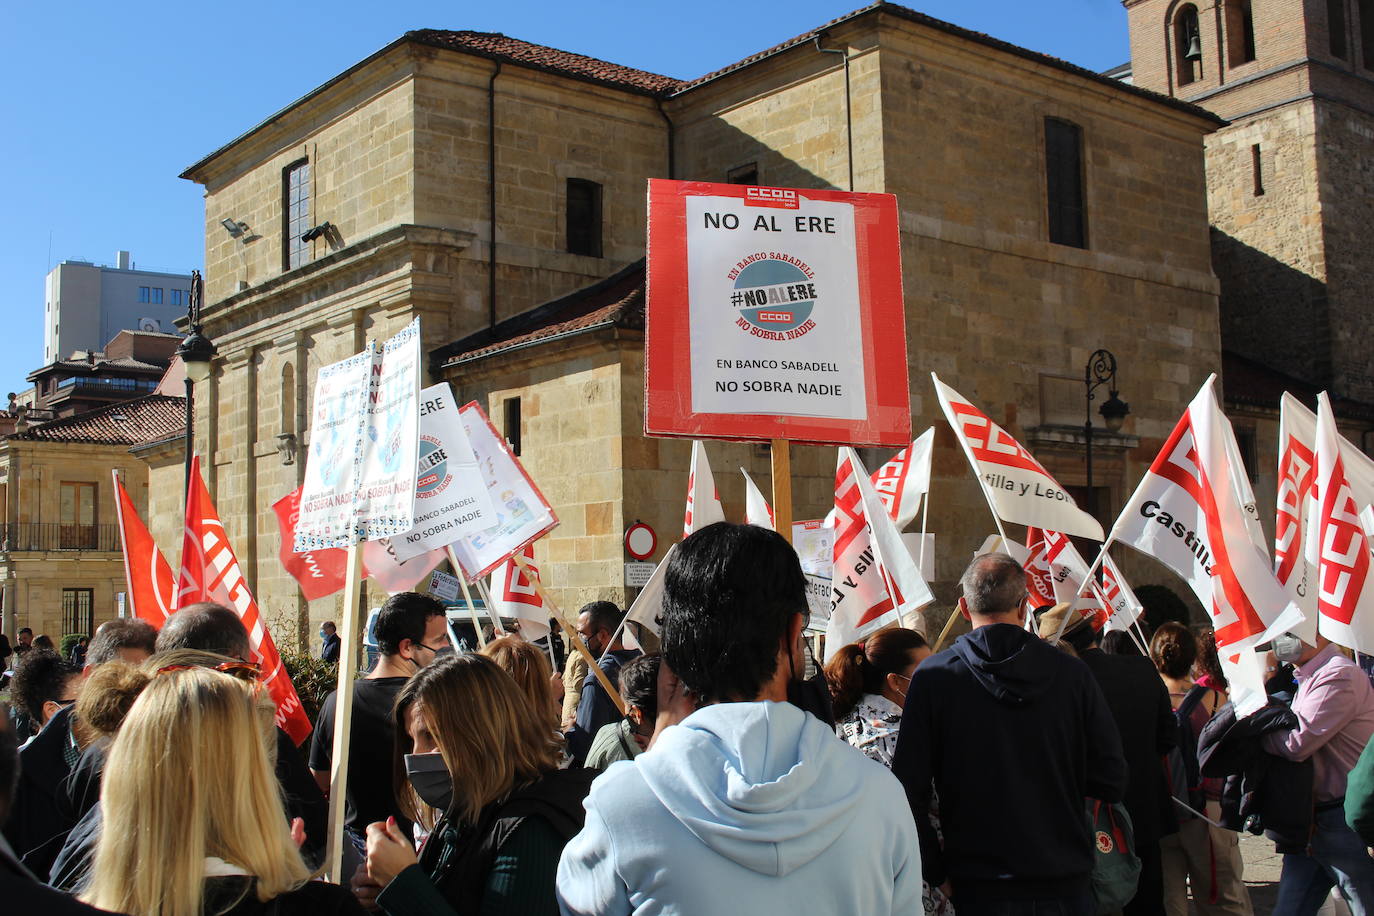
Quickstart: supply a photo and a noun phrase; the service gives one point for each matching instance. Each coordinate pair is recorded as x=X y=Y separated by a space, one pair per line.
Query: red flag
x=319 y=573
x=210 y=572
x=152 y=590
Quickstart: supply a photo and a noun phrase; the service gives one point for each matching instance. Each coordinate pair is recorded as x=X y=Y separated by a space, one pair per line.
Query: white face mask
x=1287 y=648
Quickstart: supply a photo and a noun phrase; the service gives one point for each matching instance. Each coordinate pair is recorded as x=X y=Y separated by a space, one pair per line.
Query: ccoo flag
x=1338 y=547
x=1018 y=487
x=515 y=596
x=210 y=572
x=1055 y=573
x=152 y=589
x=903 y=482
x=1186 y=514
x=756 y=508
x=319 y=573
x=1123 y=607
x=701 y=511
x=875 y=580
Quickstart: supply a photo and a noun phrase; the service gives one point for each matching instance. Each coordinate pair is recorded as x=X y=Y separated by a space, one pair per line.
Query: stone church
x=496 y=189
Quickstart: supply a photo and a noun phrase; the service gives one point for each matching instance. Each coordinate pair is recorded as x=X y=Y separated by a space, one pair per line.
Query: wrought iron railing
x=45 y=536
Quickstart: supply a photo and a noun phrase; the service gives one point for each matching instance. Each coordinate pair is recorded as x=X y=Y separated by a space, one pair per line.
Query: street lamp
x=1101 y=370
x=196 y=352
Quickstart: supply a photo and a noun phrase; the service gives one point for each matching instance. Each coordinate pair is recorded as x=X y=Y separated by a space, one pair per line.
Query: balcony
x=55 y=536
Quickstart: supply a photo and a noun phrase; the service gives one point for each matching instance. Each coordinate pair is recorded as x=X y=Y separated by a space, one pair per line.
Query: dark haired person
x=1139 y=705
x=756 y=806
x=45 y=685
x=410 y=631
x=598 y=624
x=23 y=643
x=868 y=683
x=329 y=642
x=127 y=639
x=626 y=739
x=19 y=889
x=1201 y=855
x=1022 y=736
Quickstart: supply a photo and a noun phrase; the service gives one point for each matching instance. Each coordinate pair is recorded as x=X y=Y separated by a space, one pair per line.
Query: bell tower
x=1290 y=180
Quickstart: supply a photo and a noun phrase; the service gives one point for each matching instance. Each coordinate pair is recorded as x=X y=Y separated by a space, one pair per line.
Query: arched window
x=1240 y=33
x=1187 y=45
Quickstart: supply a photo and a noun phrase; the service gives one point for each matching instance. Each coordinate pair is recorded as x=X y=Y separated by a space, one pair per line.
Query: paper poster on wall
x=451 y=498
x=775 y=313
x=364 y=431
x=521 y=514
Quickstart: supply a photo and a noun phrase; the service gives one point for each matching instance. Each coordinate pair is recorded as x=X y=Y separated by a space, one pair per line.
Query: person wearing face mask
x=410 y=632
x=477 y=770
x=627 y=739
x=1334 y=707
x=598 y=625
x=868 y=683
x=754 y=805
x=329 y=642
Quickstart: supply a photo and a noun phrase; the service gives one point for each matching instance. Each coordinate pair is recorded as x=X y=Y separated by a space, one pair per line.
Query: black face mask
x=430 y=779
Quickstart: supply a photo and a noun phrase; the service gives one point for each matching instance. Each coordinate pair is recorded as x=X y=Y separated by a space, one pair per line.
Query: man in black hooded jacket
x=1013 y=735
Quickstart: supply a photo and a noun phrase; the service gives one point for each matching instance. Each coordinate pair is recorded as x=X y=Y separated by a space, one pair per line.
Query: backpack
x=1116 y=867
x=1185 y=776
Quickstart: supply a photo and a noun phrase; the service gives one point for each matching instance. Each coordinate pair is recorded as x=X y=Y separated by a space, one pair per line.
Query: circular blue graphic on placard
x=432 y=476
x=775 y=296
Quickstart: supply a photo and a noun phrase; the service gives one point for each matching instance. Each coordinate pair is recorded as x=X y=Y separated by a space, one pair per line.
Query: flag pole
x=782 y=487
x=948 y=628
x=1087 y=580
x=343 y=715
x=495 y=618
x=921 y=554
x=467 y=594
x=571 y=633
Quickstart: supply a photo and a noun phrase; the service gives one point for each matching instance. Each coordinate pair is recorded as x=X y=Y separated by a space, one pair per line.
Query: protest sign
x=364 y=430
x=775 y=313
x=450 y=498
x=443 y=586
x=521 y=512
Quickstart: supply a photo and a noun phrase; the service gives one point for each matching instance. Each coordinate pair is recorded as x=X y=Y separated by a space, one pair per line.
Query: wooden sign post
x=782 y=488
x=343 y=716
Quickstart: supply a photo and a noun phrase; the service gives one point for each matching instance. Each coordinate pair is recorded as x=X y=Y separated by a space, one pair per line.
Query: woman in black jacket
x=476 y=765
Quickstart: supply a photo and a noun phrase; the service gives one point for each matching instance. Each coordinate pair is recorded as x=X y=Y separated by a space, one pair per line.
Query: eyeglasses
x=246 y=671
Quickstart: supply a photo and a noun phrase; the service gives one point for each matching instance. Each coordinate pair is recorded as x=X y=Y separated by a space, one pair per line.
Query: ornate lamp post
x=196 y=352
x=1100 y=370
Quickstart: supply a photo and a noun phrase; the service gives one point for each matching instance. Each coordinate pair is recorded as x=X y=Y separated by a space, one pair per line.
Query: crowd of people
x=1035 y=765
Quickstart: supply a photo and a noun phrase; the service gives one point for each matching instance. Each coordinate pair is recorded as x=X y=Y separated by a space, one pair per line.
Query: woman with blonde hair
x=532 y=673
x=476 y=768
x=193 y=821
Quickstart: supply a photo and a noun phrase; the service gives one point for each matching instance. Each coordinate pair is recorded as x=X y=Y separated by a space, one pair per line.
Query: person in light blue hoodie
x=749 y=805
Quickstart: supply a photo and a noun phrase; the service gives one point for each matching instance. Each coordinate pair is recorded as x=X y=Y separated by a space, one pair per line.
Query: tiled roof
x=145 y=419
x=617 y=301
x=950 y=28
x=541 y=57
x=1246 y=381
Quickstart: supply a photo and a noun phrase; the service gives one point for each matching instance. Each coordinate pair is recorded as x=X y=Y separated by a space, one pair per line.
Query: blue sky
x=106 y=104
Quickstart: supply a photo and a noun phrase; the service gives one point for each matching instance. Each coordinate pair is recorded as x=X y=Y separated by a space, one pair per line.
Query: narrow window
x=1335 y=27
x=1257 y=168
x=584 y=217
x=78 y=611
x=145 y=294
x=157 y=295
x=76 y=515
x=1064 y=183
x=1240 y=32
x=512 y=409
x=744 y=174
x=295 y=214
x=1366 y=9
x=1187 y=45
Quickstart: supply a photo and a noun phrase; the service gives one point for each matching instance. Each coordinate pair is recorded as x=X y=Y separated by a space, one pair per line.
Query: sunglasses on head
x=246 y=671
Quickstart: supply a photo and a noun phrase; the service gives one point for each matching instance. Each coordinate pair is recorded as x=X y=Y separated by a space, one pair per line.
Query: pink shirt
x=1335 y=710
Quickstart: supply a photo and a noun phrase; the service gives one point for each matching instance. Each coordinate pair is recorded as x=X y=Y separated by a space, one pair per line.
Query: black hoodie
x=1013 y=735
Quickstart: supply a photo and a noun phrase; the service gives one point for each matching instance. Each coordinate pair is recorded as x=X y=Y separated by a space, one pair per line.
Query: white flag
x=875 y=580
x=649 y=605
x=1245 y=494
x=756 y=508
x=1123 y=607
x=703 y=501
x=513 y=595
x=1339 y=546
x=1186 y=514
x=1018 y=487
x=904 y=481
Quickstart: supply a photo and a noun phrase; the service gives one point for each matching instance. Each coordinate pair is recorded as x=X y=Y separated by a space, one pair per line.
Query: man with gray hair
x=1012 y=735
